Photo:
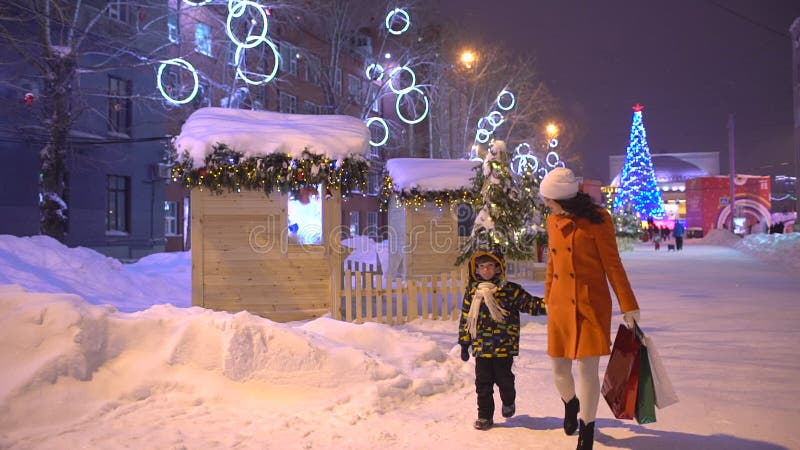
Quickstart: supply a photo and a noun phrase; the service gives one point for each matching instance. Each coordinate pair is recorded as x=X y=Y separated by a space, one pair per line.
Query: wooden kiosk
x=426 y=197
x=266 y=207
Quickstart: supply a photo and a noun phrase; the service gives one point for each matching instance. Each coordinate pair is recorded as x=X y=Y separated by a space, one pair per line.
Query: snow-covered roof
x=260 y=133
x=431 y=174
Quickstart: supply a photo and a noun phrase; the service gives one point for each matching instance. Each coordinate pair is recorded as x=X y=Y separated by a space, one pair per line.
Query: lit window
x=172 y=27
x=170 y=218
x=304 y=215
x=202 y=38
x=354 y=225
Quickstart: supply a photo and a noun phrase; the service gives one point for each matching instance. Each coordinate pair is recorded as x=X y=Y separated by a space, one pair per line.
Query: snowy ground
x=73 y=374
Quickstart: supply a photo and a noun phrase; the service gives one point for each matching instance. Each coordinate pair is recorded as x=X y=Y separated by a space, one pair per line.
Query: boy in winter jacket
x=490 y=324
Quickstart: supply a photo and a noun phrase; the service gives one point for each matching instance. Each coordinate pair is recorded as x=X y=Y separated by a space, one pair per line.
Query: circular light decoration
x=266 y=78
x=553 y=160
x=380 y=120
x=199 y=3
x=511 y=100
x=374 y=69
x=483 y=124
x=184 y=65
x=523 y=163
x=542 y=172
x=483 y=136
x=553 y=143
x=400 y=113
x=236 y=8
x=410 y=86
x=251 y=41
x=495 y=119
x=390 y=20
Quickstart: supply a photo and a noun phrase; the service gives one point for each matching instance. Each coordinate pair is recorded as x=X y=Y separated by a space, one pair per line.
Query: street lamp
x=552 y=130
x=468 y=58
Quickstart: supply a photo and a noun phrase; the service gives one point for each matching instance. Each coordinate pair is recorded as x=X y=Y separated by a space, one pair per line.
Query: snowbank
x=42 y=264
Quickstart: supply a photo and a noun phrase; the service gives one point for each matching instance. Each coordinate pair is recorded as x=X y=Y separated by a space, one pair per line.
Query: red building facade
x=708 y=203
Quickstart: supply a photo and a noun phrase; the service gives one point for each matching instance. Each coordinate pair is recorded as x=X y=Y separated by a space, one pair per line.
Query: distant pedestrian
x=678 y=232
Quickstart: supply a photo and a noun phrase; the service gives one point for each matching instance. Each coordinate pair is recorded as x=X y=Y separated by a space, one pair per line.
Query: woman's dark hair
x=582 y=206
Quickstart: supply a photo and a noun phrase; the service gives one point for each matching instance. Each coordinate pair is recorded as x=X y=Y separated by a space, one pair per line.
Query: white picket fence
x=370 y=297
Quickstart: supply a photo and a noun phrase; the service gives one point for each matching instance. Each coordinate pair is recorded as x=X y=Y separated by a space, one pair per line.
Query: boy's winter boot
x=509 y=410
x=483 y=424
x=585 y=436
x=571 y=409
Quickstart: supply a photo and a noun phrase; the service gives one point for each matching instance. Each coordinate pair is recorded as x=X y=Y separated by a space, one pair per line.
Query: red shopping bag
x=621 y=381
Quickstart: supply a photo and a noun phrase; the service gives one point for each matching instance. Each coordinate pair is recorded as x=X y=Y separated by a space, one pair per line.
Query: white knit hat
x=559 y=184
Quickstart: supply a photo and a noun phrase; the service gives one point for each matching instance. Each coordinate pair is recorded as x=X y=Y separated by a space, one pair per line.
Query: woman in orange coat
x=582 y=260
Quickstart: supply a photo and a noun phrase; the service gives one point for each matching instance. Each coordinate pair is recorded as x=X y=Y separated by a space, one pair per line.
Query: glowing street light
x=552 y=129
x=468 y=58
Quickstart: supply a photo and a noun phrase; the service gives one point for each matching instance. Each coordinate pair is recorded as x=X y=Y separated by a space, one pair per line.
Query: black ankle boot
x=585 y=436
x=571 y=409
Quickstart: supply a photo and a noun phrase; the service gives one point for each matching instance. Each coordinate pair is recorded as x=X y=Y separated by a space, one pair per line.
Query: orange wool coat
x=581 y=257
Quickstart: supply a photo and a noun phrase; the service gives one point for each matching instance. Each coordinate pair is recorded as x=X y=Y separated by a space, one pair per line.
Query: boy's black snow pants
x=488 y=372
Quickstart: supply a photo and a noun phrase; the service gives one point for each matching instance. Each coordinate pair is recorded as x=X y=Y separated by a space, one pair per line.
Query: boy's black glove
x=465 y=352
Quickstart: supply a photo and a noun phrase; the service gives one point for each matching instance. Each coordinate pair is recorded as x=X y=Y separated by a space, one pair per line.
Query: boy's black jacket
x=496 y=339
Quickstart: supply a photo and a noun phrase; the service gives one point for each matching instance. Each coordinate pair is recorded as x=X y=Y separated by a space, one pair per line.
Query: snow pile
x=260 y=133
x=367 y=252
x=720 y=237
x=780 y=249
x=63 y=349
x=42 y=264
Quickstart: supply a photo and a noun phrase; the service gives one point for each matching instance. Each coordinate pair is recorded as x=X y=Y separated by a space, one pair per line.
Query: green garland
x=418 y=198
x=227 y=170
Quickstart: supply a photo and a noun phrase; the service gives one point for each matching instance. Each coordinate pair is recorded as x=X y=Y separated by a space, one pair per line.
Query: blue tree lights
x=637 y=186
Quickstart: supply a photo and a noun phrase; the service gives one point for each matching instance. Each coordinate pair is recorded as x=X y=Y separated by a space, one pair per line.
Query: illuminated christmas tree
x=500 y=223
x=637 y=186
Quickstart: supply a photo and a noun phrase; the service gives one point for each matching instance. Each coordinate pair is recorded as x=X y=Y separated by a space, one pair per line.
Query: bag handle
x=638 y=332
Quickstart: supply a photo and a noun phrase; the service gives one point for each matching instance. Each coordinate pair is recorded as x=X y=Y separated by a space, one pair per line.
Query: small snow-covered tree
x=500 y=223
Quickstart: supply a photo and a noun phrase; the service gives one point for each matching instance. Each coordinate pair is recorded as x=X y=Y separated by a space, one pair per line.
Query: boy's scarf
x=484 y=293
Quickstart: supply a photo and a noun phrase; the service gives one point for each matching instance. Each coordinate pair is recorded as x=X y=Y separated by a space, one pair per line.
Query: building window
x=337 y=82
x=353 y=89
x=313 y=67
x=375 y=103
x=119 y=105
x=354 y=225
x=288 y=54
x=172 y=27
x=373 y=183
x=203 y=97
x=118 y=10
x=202 y=39
x=304 y=214
x=372 y=224
x=118 y=206
x=170 y=218
x=288 y=103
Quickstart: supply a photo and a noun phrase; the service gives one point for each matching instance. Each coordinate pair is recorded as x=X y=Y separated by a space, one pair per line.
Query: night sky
x=689 y=62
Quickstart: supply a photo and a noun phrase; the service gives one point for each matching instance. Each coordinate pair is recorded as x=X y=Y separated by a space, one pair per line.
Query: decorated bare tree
x=59 y=43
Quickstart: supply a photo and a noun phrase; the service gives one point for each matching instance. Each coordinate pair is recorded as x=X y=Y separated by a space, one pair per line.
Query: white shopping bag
x=665 y=393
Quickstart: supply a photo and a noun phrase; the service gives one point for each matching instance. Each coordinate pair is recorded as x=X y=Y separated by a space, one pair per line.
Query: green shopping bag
x=646 y=396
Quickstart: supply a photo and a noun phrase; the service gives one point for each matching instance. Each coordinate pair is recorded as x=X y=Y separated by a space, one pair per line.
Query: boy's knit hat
x=559 y=184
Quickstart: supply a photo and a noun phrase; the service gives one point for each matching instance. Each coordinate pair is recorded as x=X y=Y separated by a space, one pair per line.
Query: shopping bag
x=646 y=395
x=621 y=381
x=665 y=393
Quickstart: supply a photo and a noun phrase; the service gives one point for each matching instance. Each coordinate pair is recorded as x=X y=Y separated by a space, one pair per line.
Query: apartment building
x=113 y=189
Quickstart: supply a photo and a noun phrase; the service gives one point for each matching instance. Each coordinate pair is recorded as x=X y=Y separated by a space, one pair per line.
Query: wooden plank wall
x=432 y=241
x=241 y=259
